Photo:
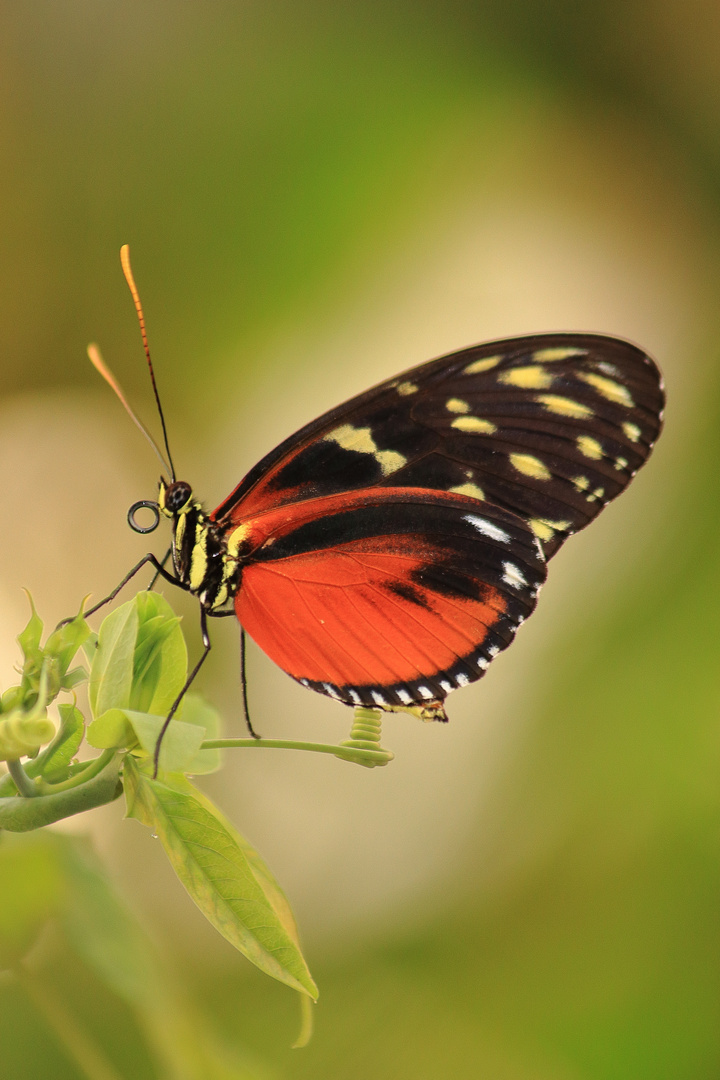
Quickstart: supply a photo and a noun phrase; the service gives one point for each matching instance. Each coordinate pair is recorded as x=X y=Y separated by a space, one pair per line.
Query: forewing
x=551 y=427
x=391 y=597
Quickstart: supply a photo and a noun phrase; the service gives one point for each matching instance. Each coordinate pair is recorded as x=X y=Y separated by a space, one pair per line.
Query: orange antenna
x=100 y=366
x=127 y=271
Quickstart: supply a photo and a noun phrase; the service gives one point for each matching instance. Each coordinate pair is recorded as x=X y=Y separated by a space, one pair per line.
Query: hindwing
x=387 y=597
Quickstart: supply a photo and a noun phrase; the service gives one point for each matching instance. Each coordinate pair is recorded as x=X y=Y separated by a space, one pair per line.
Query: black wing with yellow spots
x=550 y=427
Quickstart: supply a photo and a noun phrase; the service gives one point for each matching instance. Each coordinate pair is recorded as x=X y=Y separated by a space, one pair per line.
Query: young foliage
x=138 y=667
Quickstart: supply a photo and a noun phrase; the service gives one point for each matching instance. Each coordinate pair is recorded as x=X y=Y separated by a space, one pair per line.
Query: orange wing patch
x=352 y=616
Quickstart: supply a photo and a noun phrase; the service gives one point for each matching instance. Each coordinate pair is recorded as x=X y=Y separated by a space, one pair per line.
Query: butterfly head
x=175 y=498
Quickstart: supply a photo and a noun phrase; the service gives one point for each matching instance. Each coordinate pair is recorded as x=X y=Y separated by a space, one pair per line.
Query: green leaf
x=101 y=929
x=22 y=734
x=199 y=712
x=268 y=882
x=216 y=871
x=106 y=935
x=141 y=659
x=18 y=814
x=12 y=699
x=30 y=890
x=180 y=744
x=90 y=647
x=74 y=677
x=112 y=729
x=64 y=642
x=53 y=763
x=29 y=638
x=160 y=664
x=111 y=673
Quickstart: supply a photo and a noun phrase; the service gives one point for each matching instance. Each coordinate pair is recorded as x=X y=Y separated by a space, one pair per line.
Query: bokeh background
x=317 y=195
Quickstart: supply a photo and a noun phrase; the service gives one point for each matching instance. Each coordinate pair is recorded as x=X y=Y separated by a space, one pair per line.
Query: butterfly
x=386 y=552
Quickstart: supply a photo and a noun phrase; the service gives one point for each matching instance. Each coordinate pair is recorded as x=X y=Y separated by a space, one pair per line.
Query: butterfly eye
x=177 y=496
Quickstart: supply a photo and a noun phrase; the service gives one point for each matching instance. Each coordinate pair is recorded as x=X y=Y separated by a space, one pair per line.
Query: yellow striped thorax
x=201 y=559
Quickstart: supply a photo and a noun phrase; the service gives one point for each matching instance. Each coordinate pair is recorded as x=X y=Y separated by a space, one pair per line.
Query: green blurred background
x=317 y=195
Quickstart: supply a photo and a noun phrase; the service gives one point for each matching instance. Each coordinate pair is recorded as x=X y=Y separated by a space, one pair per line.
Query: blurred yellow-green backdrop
x=317 y=195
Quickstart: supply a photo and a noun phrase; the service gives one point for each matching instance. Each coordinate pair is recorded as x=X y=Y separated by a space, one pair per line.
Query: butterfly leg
x=243 y=683
x=156 y=575
x=160 y=571
x=188 y=683
x=243 y=672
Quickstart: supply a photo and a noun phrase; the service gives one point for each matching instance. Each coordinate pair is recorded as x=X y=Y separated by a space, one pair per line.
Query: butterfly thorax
x=201 y=558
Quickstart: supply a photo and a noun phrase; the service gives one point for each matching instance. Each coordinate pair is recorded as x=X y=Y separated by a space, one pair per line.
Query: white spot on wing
x=512 y=575
x=487 y=528
x=404 y=696
x=425 y=692
x=378 y=698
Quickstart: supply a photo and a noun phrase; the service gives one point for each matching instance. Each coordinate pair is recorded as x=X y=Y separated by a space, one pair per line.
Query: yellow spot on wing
x=609 y=389
x=482 y=365
x=361 y=441
x=237 y=537
x=596 y=494
x=564 y=406
x=557 y=352
x=581 y=483
x=454 y=404
x=390 y=461
x=527 y=378
x=589 y=447
x=545 y=530
x=632 y=431
x=474 y=425
x=406 y=388
x=621 y=463
x=530 y=466
x=469 y=489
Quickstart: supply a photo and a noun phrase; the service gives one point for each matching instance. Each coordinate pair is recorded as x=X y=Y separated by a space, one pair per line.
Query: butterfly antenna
x=127 y=271
x=100 y=366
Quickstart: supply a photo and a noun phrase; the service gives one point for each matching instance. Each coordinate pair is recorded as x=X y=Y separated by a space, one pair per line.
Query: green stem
x=22 y=781
x=82 y=1050
x=347 y=753
x=92 y=768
